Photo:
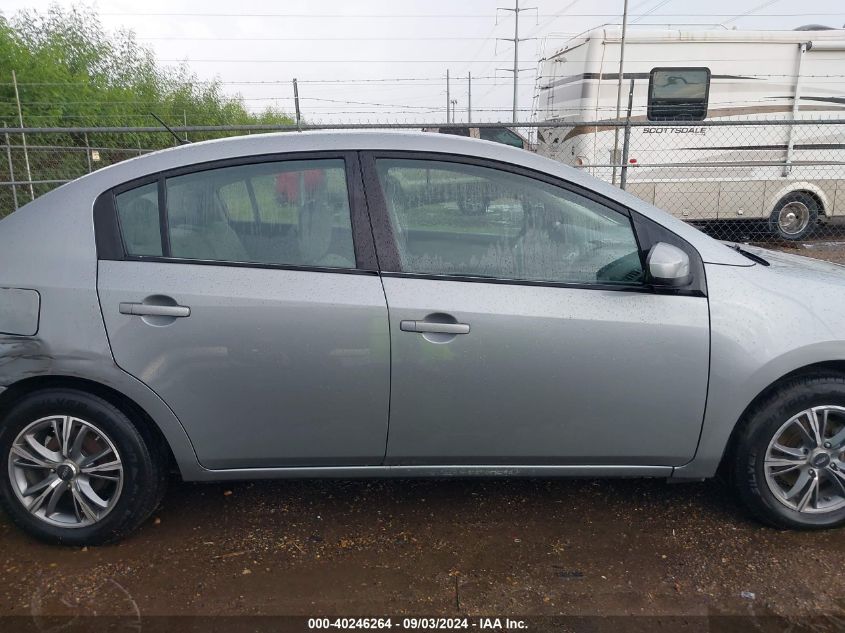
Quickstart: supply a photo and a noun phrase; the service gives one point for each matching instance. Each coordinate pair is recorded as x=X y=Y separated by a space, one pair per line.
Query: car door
x=246 y=295
x=522 y=327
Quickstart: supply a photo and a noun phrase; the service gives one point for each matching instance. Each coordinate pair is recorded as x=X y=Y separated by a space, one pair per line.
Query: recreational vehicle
x=689 y=96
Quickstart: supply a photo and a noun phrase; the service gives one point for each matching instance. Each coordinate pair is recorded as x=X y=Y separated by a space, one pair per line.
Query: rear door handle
x=435 y=328
x=145 y=309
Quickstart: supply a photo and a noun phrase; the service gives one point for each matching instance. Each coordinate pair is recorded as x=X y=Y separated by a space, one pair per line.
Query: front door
x=250 y=315
x=522 y=331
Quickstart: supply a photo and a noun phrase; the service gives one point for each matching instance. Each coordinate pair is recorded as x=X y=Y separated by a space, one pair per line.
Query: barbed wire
x=398 y=80
x=731 y=123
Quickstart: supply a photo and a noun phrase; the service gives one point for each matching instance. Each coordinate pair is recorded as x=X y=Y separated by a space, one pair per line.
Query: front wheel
x=795 y=216
x=75 y=470
x=790 y=455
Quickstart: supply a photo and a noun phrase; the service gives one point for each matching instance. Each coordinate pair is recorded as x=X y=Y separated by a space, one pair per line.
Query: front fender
x=764 y=326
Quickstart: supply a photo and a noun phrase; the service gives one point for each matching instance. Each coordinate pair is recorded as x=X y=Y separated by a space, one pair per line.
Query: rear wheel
x=795 y=216
x=75 y=470
x=790 y=455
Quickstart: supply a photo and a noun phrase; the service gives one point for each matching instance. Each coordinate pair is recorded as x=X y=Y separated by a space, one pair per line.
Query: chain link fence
x=777 y=181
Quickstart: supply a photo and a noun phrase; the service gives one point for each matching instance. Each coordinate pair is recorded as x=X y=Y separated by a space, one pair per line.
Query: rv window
x=678 y=94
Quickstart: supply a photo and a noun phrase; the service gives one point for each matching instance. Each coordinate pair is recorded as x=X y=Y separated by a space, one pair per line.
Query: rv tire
x=795 y=216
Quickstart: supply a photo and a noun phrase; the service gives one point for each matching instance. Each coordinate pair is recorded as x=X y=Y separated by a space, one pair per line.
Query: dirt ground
x=526 y=547
x=439 y=547
x=832 y=251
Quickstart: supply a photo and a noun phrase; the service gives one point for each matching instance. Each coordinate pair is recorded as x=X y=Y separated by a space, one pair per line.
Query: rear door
x=246 y=295
x=522 y=328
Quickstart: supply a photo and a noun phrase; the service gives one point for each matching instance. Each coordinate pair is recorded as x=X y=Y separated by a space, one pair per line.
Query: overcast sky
x=343 y=52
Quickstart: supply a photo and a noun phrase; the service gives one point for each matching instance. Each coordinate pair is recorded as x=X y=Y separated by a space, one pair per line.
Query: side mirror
x=668 y=265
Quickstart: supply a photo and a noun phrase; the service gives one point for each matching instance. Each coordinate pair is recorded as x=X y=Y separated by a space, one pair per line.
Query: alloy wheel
x=805 y=461
x=65 y=471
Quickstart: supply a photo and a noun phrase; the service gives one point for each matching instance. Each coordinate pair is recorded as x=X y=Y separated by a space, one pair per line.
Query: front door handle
x=146 y=309
x=434 y=328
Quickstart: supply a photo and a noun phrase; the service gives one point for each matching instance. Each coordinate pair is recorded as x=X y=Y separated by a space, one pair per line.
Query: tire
x=130 y=475
x=772 y=492
x=795 y=216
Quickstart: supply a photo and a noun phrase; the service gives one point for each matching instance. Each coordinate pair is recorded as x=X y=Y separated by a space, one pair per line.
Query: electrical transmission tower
x=516 y=40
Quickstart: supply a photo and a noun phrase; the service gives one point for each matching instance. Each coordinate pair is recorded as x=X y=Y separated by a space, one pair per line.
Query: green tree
x=72 y=72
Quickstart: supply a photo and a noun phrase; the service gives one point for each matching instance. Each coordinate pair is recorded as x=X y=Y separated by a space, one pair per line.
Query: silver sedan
x=398 y=304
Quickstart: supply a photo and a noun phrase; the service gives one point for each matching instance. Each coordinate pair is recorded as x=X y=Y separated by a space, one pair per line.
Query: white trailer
x=685 y=82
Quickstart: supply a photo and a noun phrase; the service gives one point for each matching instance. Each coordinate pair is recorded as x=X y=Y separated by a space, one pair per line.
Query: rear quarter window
x=137 y=211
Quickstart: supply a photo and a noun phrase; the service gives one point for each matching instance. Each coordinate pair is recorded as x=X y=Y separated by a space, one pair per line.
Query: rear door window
x=288 y=213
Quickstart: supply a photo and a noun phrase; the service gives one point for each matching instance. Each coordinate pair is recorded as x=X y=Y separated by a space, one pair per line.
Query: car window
x=501 y=135
x=455 y=131
x=287 y=213
x=457 y=219
x=137 y=211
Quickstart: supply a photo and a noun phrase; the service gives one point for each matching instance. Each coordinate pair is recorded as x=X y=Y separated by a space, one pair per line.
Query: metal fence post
x=88 y=153
x=296 y=102
x=11 y=169
x=626 y=142
x=23 y=137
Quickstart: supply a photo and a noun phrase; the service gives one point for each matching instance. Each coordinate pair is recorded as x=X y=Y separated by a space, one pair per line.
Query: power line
x=338 y=83
x=650 y=11
x=399 y=81
x=561 y=36
x=474 y=16
x=750 y=11
x=326 y=61
x=435 y=61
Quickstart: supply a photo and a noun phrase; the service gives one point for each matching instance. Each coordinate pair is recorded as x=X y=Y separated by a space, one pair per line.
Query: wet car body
x=356 y=366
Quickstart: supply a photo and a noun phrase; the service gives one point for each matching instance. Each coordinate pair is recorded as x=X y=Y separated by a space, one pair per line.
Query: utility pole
x=515 y=55
x=619 y=88
x=296 y=102
x=516 y=40
x=11 y=169
x=469 y=97
x=448 y=98
x=23 y=138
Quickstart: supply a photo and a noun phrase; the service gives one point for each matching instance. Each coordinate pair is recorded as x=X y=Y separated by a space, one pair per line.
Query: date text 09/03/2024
x=418 y=623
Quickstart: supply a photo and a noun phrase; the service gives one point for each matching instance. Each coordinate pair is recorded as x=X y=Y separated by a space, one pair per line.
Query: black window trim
x=109 y=238
x=163 y=219
x=388 y=254
x=649 y=111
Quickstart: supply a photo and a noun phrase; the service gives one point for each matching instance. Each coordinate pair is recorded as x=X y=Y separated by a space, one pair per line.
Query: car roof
x=92 y=185
x=320 y=141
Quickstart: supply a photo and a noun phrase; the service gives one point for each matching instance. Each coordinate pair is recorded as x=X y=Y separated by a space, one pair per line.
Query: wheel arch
x=142 y=420
x=809 y=188
x=820 y=368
